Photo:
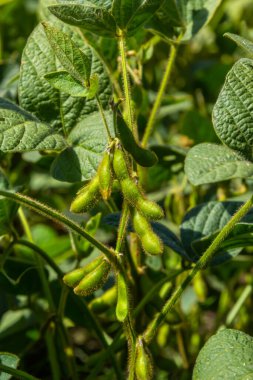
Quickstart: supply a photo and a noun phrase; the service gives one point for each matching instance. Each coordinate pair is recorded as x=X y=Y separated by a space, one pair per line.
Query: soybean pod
x=122 y=298
x=105 y=176
x=142 y=156
x=150 y=209
x=73 y=278
x=143 y=363
x=151 y=243
x=93 y=280
x=120 y=163
x=86 y=196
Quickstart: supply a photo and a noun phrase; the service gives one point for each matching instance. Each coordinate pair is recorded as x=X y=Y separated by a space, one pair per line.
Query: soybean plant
x=85 y=119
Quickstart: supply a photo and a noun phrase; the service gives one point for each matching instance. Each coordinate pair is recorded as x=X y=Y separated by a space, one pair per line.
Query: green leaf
x=9 y=360
x=50 y=105
x=243 y=43
x=209 y=163
x=88 y=140
x=74 y=61
x=63 y=81
x=17 y=134
x=233 y=111
x=183 y=17
x=131 y=15
x=201 y=224
x=227 y=355
x=95 y=19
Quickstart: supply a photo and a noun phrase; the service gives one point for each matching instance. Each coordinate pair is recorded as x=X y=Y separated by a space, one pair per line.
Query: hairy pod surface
x=105 y=301
x=93 y=280
x=120 y=165
x=142 y=156
x=73 y=278
x=131 y=191
x=105 y=176
x=151 y=243
x=86 y=197
x=143 y=364
x=140 y=223
x=149 y=209
x=122 y=298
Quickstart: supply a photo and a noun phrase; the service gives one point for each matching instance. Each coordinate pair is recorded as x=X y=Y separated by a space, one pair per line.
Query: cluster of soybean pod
x=116 y=171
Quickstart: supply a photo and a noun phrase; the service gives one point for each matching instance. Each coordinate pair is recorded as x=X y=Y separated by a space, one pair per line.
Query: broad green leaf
x=243 y=43
x=9 y=360
x=209 y=163
x=51 y=106
x=183 y=17
x=8 y=105
x=95 y=19
x=227 y=355
x=74 y=61
x=233 y=111
x=131 y=15
x=201 y=224
x=17 y=134
x=87 y=141
x=63 y=81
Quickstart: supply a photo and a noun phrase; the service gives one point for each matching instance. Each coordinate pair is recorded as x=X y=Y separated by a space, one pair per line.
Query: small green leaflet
x=243 y=43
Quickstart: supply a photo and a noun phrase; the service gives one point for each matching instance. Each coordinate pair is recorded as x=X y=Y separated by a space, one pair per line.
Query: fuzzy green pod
x=73 y=278
x=93 y=280
x=86 y=196
x=151 y=243
x=122 y=306
x=140 y=223
x=149 y=209
x=143 y=363
x=131 y=191
x=105 y=301
x=142 y=156
x=105 y=176
x=120 y=164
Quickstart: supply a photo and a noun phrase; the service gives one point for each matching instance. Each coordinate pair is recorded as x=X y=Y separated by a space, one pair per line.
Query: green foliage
x=225 y=353
x=91 y=285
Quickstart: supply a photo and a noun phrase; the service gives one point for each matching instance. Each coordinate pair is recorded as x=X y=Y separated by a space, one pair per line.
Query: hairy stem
x=201 y=264
x=127 y=87
x=52 y=353
x=151 y=122
x=51 y=213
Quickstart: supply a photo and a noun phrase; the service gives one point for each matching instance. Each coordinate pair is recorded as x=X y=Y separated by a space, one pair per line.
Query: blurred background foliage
x=183 y=121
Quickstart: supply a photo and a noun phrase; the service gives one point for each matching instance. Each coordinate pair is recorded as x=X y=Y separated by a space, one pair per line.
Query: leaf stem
x=151 y=122
x=236 y=308
x=17 y=373
x=101 y=110
x=201 y=264
x=127 y=87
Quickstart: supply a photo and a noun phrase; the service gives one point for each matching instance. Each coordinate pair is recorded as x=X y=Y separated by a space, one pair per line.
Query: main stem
x=127 y=87
x=151 y=122
x=201 y=264
x=131 y=335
